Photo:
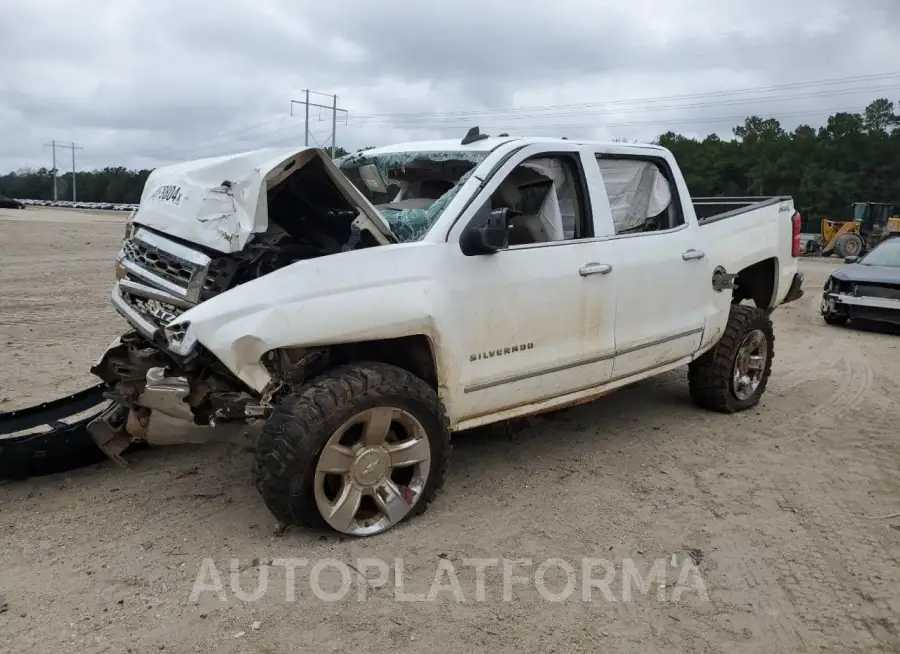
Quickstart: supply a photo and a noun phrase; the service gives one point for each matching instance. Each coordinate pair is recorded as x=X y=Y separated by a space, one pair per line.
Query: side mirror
x=487 y=233
x=851 y=259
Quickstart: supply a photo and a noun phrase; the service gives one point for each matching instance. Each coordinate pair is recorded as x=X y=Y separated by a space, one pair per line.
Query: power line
x=684 y=121
x=504 y=122
x=676 y=107
x=459 y=128
x=364 y=120
x=654 y=99
x=450 y=120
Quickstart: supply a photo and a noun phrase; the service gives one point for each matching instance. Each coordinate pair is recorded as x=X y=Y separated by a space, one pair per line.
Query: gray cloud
x=139 y=83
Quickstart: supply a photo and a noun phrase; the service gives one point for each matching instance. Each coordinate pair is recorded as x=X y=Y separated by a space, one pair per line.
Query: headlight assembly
x=180 y=338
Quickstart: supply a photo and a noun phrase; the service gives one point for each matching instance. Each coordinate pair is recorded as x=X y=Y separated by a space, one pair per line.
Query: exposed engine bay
x=160 y=275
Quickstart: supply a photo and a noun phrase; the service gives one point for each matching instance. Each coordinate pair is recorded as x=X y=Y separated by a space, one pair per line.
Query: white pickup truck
x=368 y=308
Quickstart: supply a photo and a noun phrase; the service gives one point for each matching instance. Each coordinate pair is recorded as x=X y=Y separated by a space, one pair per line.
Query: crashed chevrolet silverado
x=367 y=308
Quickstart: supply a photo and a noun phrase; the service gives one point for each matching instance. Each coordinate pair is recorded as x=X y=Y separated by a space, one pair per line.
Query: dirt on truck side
x=782 y=509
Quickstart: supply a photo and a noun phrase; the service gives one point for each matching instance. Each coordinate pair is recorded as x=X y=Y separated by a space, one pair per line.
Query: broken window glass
x=414 y=187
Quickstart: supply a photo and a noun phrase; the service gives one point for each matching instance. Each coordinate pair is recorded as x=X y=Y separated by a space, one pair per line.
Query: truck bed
x=713 y=209
x=762 y=231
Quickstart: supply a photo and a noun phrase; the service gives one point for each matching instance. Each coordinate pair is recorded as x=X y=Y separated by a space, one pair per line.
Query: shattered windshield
x=410 y=189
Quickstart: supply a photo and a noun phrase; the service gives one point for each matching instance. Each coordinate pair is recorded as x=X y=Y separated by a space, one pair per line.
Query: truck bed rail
x=713 y=209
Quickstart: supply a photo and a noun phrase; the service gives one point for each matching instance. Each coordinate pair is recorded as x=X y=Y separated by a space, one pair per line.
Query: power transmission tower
x=72 y=147
x=334 y=112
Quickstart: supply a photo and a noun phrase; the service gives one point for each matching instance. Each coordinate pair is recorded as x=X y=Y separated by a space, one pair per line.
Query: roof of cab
x=488 y=144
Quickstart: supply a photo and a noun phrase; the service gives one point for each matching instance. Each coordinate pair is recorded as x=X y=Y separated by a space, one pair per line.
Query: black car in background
x=10 y=203
x=866 y=288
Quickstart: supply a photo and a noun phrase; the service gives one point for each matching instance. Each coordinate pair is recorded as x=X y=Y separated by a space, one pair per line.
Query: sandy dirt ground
x=783 y=507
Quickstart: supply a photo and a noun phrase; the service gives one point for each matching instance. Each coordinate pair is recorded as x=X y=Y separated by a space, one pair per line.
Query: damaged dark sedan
x=865 y=289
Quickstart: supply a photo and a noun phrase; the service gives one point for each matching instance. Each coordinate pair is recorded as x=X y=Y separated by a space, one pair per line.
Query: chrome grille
x=156 y=261
x=158 y=280
x=160 y=262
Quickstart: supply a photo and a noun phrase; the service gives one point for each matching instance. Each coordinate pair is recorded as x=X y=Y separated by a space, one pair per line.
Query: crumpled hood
x=856 y=272
x=220 y=202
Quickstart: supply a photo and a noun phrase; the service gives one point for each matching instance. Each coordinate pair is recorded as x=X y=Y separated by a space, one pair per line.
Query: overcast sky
x=144 y=82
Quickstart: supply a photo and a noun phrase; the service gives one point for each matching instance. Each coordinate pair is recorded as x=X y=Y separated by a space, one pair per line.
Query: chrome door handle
x=692 y=254
x=594 y=269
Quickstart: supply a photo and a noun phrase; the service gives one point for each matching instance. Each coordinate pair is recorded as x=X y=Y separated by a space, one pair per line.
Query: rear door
x=660 y=272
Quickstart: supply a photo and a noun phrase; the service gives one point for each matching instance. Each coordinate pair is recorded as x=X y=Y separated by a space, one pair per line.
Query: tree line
x=853 y=157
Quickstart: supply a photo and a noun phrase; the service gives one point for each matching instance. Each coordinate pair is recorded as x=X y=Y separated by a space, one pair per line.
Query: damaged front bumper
x=156 y=391
x=875 y=309
x=51 y=437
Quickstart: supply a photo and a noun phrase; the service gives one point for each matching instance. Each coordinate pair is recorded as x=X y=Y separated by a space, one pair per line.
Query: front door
x=540 y=314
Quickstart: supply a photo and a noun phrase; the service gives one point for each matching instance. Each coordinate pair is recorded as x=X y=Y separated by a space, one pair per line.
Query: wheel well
x=757 y=282
x=412 y=353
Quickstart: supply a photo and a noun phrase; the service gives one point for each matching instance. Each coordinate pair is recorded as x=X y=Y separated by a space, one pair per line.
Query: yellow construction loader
x=869 y=224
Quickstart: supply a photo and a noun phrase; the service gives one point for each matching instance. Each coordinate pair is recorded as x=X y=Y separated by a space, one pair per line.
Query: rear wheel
x=733 y=375
x=359 y=450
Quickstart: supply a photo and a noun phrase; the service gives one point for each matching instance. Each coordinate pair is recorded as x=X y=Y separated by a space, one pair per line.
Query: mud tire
x=303 y=421
x=710 y=375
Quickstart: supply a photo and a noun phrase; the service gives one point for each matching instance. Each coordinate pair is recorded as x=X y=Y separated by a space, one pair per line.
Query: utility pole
x=334 y=112
x=54 y=171
x=72 y=147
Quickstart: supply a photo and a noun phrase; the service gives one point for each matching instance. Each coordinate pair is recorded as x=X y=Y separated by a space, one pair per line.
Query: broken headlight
x=129 y=224
x=180 y=338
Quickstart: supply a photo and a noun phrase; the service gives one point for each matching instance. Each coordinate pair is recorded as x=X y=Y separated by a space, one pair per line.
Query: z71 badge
x=501 y=351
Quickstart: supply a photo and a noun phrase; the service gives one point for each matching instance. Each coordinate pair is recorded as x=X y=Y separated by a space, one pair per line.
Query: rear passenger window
x=641 y=195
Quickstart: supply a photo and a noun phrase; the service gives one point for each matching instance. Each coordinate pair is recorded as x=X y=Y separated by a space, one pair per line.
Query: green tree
x=879 y=116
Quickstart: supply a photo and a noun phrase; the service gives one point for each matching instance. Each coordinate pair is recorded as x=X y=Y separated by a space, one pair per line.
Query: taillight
x=795 y=244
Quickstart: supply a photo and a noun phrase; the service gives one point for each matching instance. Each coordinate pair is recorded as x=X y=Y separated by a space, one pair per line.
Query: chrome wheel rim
x=372 y=471
x=749 y=364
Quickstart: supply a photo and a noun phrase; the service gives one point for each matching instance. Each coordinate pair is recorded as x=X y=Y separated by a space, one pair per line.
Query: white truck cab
x=368 y=308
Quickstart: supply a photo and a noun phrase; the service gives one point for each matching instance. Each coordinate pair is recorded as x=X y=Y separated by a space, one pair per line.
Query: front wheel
x=360 y=449
x=733 y=375
x=849 y=245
